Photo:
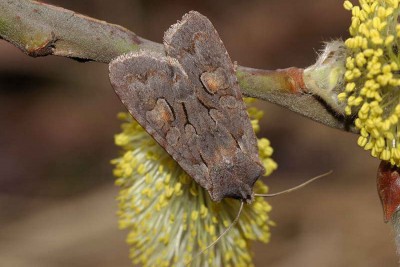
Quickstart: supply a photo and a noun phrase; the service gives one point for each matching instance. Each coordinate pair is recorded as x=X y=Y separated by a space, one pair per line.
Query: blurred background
x=58 y=118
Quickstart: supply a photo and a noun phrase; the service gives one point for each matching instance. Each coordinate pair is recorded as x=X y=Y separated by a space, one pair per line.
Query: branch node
x=41 y=49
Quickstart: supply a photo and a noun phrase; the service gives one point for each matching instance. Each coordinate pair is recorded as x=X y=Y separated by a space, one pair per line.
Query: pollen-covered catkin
x=171 y=218
x=372 y=78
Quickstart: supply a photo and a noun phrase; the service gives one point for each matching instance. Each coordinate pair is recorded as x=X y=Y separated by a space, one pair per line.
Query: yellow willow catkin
x=372 y=76
x=171 y=218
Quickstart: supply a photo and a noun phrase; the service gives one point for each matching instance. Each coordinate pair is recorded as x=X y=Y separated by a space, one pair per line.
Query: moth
x=189 y=100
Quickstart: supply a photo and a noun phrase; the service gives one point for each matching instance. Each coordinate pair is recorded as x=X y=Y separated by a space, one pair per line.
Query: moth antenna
x=221 y=235
x=294 y=188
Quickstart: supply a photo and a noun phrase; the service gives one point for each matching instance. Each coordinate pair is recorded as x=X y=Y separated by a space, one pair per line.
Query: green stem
x=40 y=29
x=286 y=88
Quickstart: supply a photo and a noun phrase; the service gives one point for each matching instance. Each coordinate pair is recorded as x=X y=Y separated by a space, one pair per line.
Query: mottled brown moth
x=189 y=100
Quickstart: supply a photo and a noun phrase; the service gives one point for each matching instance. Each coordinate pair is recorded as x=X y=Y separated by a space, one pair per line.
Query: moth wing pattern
x=155 y=90
x=190 y=102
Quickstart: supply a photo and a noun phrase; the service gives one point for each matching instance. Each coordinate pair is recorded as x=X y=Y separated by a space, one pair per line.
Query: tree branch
x=40 y=30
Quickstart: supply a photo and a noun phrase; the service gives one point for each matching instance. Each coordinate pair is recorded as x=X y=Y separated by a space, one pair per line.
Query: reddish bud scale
x=388 y=183
x=295 y=80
